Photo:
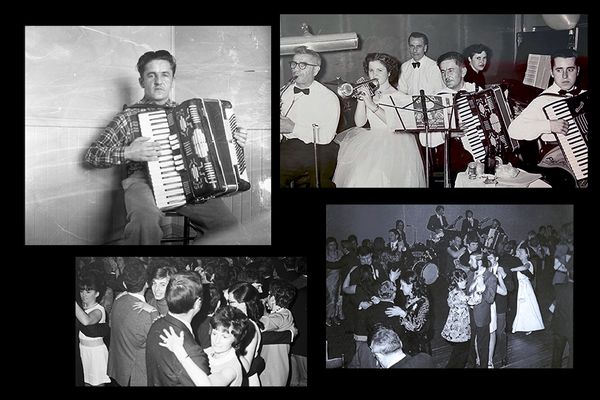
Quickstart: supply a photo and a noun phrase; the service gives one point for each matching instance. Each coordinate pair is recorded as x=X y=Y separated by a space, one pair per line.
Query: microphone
x=424 y=107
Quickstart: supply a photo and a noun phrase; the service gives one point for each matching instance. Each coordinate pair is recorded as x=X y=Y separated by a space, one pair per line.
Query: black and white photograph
x=449 y=286
x=191 y=321
x=147 y=135
x=434 y=101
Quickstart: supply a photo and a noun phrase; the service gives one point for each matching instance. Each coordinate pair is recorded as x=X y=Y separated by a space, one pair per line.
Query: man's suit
x=467 y=226
x=435 y=224
x=127 y=355
x=163 y=367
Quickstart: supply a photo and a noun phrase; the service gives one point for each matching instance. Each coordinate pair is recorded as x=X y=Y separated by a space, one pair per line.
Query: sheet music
x=538 y=71
x=403 y=112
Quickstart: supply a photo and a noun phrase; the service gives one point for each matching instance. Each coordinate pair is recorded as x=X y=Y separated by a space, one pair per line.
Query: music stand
x=315 y=134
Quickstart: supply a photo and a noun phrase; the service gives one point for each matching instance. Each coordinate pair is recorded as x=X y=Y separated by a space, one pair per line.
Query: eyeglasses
x=301 y=65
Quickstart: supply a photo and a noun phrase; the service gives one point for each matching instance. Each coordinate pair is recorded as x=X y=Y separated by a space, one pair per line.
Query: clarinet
x=281 y=92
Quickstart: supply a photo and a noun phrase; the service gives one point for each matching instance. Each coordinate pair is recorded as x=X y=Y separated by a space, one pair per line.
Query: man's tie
x=416 y=64
x=575 y=91
x=298 y=90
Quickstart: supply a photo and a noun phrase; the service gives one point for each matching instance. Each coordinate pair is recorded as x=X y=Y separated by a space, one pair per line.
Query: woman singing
x=378 y=157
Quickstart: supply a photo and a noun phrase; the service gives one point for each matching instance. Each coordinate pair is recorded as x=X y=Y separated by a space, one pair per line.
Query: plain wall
x=79 y=77
x=370 y=221
x=389 y=34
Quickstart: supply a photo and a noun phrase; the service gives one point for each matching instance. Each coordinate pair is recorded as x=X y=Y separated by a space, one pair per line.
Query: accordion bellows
x=199 y=158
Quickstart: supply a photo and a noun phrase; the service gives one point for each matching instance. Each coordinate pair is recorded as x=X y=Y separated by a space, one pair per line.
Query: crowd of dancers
x=149 y=321
x=382 y=294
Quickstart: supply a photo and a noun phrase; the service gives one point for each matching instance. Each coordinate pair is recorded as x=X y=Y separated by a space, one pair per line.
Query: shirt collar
x=138 y=296
x=187 y=324
x=169 y=103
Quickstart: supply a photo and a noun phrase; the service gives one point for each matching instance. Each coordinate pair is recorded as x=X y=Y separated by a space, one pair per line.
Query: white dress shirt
x=321 y=106
x=532 y=122
x=427 y=77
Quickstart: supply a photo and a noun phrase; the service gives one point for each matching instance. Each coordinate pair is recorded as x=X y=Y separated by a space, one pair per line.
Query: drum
x=429 y=254
x=428 y=271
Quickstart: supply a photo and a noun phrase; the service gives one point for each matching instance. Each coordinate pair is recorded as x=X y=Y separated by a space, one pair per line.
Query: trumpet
x=283 y=89
x=352 y=90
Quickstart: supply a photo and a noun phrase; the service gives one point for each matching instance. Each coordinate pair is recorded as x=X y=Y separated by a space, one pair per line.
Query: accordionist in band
x=534 y=124
x=118 y=145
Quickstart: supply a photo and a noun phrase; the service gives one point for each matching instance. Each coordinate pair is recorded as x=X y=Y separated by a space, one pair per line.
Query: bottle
x=490 y=161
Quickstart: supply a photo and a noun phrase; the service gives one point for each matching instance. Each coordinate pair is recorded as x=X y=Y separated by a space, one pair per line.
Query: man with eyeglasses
x=420 y=71
x=304 y=104
x=121 y=143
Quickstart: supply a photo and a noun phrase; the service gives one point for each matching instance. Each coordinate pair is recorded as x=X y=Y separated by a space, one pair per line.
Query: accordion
x=486 y=116
x=199 y=159
x=573 y=145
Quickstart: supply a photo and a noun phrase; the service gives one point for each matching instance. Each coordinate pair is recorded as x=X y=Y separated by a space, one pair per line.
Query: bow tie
x=574 y=91
x=416 y=64
x=298 y=90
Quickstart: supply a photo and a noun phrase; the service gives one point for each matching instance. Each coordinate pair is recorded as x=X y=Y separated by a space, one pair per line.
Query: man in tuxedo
x=532 y=123
x=129 y=329
x=469 y=223
x=420 y=71
x=492 y=234
x=303 y=104
x=184 y=298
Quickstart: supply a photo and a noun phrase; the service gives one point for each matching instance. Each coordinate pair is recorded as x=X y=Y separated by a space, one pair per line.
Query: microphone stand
x=315 y=130
x=426 y=122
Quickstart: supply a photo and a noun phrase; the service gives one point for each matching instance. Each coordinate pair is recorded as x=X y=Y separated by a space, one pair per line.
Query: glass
x=301 y=65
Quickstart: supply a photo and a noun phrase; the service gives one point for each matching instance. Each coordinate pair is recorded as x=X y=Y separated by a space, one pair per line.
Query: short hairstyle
x=387 y=290
x=467 y=212
x=419 y=289
x=439 y=208
x=352 y=237
x=234 y=321
x=134 y=275
x=419 y=35
x=526 y=249
x=306 y=50
x=456 y=276
x=384 y=340
x=159 y=272
x=283 y=292
x=155 y=55
x=346 y=244
x=476 y=49
x=92 y=280
x=391 y=64
x=458 y=58
x=364 y=251
x=399 y=220
x=331 y=239
x=182 y=291
x=563 y=53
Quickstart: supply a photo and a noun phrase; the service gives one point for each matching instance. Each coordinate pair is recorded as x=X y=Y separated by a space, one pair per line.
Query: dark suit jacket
x=467 y=226
x=163 y=367
x=482 y=311
x=434 y=223
x=127 y=355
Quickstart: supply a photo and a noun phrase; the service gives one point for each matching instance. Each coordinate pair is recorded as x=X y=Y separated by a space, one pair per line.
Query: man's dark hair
x=419 y=35
x=155 y=55
x=563 y=53
x=439 y=208
x=182 y=291
x=134 y=275
x=458 y=58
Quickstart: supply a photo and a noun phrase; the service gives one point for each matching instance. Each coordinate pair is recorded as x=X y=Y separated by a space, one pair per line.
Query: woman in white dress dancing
x=378 y=157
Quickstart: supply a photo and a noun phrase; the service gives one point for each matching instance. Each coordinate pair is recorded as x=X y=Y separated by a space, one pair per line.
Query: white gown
x=378 y=157
x=528 y=317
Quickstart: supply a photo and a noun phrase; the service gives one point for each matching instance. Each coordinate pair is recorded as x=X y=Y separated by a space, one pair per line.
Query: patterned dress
x=457 y=328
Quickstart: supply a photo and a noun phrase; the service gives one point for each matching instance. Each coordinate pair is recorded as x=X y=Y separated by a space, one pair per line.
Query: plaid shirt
x=109 y=149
